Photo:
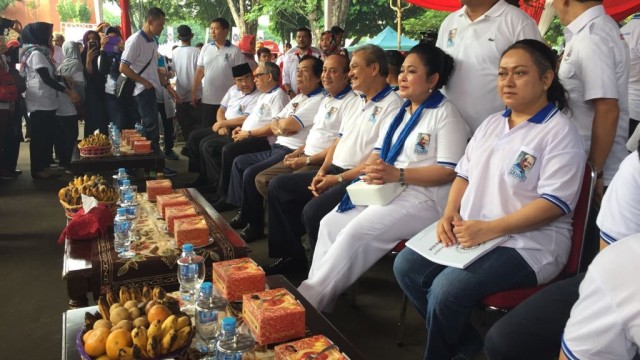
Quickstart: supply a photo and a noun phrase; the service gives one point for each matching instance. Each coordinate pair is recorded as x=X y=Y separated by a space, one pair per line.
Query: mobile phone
x=93 y=44
x=111 y=47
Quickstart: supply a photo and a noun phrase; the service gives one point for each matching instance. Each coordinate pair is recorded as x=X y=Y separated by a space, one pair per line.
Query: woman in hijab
x=41 y=95
x=94 y=89
x=71 y=70
x=248 y=47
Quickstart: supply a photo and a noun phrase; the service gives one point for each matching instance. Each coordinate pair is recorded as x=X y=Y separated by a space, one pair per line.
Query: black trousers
x=533 y=330
x=193 y=147
x=11 y=142
x=66 y=138
x=43 y=126
x=210 y=151
x=293 y=210
x=209 y=113
x=189 y=117
x=232 y=151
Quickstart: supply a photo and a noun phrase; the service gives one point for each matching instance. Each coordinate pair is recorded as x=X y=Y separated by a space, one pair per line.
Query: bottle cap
x=128 y=197
x=121 y=171
x=229 y=324
x=206 y=287
x=187 y=247
x=122 y=211
x=126 y=182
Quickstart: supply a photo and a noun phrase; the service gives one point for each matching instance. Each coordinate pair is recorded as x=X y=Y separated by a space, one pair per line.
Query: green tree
x=368 y=17
x=554 y=35
x=70 y=11
x=429 y=20
x=4 y=4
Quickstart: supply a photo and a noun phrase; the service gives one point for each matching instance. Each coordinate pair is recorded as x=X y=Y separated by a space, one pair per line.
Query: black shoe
x=286 y=266
x=221 y=206
x=237 y=222
x=252 y=233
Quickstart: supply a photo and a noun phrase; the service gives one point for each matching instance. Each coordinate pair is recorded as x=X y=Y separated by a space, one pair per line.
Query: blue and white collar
x=144 y=35
x=541 y=117
x=381 y=94
x=342 y=93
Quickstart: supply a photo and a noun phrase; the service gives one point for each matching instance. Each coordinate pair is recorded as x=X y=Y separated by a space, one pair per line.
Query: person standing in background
x=94 y=89
x=631 y=33
x=291 y=59
x=185 y=63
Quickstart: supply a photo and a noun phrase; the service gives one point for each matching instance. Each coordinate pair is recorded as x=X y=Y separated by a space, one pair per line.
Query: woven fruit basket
x=94 y=151
x=71 y=210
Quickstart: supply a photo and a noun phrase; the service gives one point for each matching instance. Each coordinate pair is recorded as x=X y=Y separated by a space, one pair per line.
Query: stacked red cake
x=307 y=348
x=164 y=201
x=234 y=278
x=191 y=230
x=141 y=146
x=158 y=187
x=172 y=213
x=273 y=316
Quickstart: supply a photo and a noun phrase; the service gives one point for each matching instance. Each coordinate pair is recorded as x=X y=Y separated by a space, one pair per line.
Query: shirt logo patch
x=451 y=40
x=226 y=57
x=263 y=109
x=241 y=109
x=294 y=107
x=330 y=113
x=523 y=165
x=376 y=111
x=422 y=144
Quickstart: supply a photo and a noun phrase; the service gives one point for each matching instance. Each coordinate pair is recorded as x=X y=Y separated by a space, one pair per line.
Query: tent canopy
x=387 y=39
x=618 y=9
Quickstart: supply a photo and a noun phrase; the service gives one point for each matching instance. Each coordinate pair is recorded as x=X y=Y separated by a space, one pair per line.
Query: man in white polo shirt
x=631 y=33
x=214 y=70
x=533 y=330
x=140 y=50
x=326 y=125
x=185 y=63
x=291 y=126
x=475 y=36
x=313 y=193
x=291 y=59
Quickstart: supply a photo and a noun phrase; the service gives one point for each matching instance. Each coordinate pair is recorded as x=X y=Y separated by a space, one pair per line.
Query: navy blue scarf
x=390 y=152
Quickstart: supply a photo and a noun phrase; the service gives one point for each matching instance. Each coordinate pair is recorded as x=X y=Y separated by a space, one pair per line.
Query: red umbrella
x=618 y=9
x=273 y=47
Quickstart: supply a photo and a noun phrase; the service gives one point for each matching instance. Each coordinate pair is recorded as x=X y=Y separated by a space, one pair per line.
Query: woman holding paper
x=419 y=149
x=517 y=182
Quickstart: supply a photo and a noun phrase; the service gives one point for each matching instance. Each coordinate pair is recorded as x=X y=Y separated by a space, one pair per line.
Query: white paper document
x=425 y=244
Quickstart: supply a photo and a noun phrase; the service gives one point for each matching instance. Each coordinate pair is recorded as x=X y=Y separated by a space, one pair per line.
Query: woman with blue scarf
x=41 y=95
x=419 y=149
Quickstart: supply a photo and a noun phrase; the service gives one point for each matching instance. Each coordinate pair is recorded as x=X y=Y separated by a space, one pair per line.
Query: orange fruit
x=95 y=341
x=158 y=312
x=118 y=339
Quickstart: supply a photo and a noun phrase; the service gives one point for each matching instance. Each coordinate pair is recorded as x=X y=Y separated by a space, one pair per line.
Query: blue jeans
x=445 y=296
x=148 y=109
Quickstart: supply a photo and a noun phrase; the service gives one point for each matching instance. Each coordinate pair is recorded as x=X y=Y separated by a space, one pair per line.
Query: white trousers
x=349 y=243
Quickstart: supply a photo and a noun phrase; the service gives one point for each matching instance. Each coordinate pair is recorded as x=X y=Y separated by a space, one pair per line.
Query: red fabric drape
x=618 y=9
x=125 y=21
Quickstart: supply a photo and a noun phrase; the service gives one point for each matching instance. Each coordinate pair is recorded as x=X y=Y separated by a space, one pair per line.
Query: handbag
x=125 y=86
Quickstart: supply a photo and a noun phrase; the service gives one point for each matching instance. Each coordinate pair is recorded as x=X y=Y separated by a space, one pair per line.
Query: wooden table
x=86 y=262
x=73 y=320
x=149 y=162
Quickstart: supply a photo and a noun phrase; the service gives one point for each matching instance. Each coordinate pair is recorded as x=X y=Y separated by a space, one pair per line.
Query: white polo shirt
x=290 y=61
x=185 y=62
x=476 y=47
x=39 y=96
x=326 y=123
x=605 y=321
x=65 y=105
x=303 y=108
x=217 y=63
x=57 y=56
x=267 y=106
x=498 y=186
x=619 y=214
x=631 y=33
x=138 y=50
x=236 y=103
x=439 y=138
x=362 y=125
x=596 y=65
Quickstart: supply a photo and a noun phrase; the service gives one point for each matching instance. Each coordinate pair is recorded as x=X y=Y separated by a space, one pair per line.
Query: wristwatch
x=249 y=132
x=340 y=178
x=308 y=161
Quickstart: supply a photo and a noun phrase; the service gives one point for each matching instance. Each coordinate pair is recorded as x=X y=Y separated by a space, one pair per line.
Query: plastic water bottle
x=121 y=227
x=114 y=136
x=209 y=310
x=124 y=189
x=233 y=346
x=139 y=128
x=190 y=275
x=119 y=178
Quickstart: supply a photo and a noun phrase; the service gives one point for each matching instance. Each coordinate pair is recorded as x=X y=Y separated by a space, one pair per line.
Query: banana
x=153 y=346
x=181 y=340
x=168 y=340
x=169 y=324
x=147 y=293
x=125 y=353
x=159 y=293
x=139 y=337
x=124 y=295
x=103 y=307
x=135 y=294
x=62 y=194
x=183 y=321
x=139 y=352
x=155 y=329
x=111 y=298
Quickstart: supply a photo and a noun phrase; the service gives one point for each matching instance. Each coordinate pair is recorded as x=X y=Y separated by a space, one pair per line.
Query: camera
x=6 y=25
x=93 y=44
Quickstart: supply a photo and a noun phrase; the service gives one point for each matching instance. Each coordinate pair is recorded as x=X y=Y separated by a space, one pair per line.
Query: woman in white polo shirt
x=41 y=95
x=497 y=194
x=420 y=149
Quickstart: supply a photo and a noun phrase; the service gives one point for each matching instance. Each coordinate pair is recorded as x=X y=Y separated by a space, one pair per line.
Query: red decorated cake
x=273 y=316
x=158 y=187
x=191 y=230
x=178 y=212
x=134 y=138
x=141 y=146
x=162 y=201
x=234 y=278
x=305 y=348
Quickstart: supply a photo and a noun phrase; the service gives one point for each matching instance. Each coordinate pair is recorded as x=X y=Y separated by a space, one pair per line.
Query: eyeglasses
x=257 y=75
